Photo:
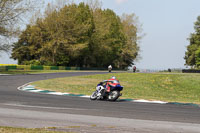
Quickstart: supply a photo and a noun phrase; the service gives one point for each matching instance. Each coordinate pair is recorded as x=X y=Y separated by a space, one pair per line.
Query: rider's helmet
x=113 y=80
x=113 y=77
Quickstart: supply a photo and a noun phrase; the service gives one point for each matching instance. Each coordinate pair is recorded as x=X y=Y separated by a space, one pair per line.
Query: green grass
x=25 y=130
x=153 y=86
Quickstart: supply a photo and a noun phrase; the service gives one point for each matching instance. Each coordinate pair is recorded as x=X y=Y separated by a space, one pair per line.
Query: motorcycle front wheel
x=93 y=96
x=113 y=96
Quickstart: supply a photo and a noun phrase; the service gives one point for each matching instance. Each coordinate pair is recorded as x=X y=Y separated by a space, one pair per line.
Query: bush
x=32 y=62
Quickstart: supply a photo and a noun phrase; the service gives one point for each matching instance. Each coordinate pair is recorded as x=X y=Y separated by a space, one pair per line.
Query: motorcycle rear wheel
x=113 y=96
x=93 y=96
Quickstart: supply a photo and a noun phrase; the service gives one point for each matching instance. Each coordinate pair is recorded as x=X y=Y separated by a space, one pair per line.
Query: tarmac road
x=33 y=110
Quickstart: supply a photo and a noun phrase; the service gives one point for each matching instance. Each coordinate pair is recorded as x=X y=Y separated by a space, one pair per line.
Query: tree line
x=79 y=35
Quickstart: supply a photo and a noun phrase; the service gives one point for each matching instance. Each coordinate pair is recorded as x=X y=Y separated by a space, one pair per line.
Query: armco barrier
x=67 y=68
x=46 y=67
x=190 y=71
x=2 y=68
x=75 y=68
x=23 y=67
x=20 y=67
x=37 y=68
x=11 y=67
x=62 y=67
x=92 y=68
x=54 y=68
x=40 y=67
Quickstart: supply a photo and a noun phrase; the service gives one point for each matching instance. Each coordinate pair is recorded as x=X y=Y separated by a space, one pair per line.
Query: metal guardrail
x=40 y=67
x=34 y=67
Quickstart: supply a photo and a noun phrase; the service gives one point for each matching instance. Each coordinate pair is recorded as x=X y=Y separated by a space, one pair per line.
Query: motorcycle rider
x=109 y=68
x=112 y=82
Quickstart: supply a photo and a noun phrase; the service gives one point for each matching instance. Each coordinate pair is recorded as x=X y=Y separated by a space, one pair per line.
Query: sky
x=166 y=24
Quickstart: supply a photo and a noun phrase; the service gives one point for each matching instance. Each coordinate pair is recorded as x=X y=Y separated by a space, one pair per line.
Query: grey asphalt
x=25 y=109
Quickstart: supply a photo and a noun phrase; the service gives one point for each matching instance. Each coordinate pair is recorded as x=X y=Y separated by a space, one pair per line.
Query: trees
x=78 y=35
x=106 y=40
x=11 y=13
x=130 y=28
x=58 y=39
x=192 y=55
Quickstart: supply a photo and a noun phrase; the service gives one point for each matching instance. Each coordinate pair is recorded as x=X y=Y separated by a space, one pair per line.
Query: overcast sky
x=167 y=25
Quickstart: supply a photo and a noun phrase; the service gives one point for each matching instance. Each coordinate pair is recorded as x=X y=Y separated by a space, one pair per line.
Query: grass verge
x=25 y=130
x=178 y=87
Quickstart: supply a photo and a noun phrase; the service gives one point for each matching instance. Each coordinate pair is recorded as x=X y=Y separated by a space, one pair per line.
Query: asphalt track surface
x=69 y=113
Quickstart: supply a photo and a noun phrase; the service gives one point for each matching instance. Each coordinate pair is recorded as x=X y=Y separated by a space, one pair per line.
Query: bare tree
x=12 y=13
x=94 y=4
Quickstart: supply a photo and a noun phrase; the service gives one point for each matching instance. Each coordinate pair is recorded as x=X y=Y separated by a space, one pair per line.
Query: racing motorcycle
x=102 y=93
x=109 y=70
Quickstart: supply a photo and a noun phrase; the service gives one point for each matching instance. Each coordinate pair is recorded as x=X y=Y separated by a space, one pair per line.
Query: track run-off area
x=79 y=114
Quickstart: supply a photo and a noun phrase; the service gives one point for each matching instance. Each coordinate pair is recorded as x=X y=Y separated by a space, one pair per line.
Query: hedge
x=190 y=71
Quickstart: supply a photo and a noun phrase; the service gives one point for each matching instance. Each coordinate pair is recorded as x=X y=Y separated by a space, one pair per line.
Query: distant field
x=169 y=87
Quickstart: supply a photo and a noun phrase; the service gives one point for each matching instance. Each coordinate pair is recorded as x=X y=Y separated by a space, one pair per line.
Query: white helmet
x=113 y=77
